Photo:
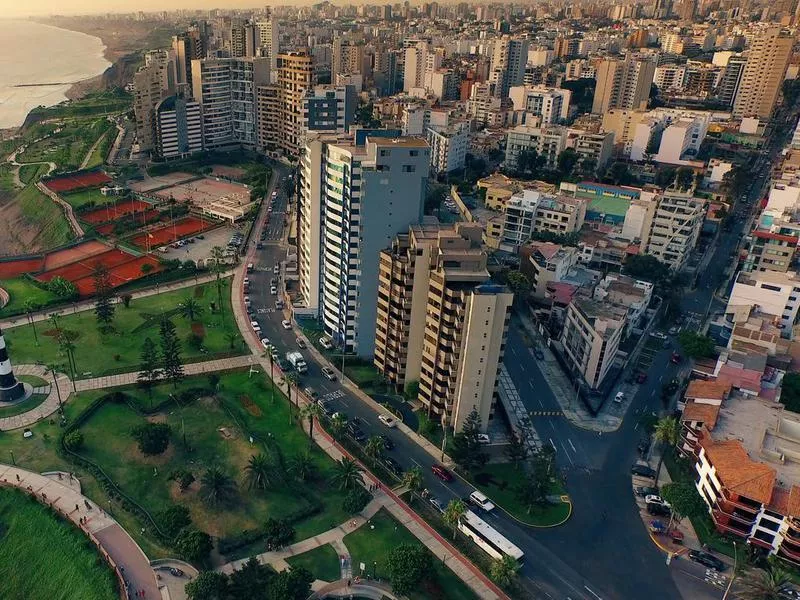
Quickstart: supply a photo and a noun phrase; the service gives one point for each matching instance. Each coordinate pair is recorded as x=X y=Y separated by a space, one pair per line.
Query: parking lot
x=200 y=250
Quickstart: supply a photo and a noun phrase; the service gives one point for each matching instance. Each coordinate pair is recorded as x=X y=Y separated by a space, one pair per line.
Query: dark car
x=658 y=510
x=641 y=377
x=441 y=473
x=675 y=358
x=707 y=560
x=388 y=444
x=644 y=445
x=643 y=491
x=537 y=352
x=643 y=471
x=284 y=365
x=393 y=465
x=327 y=409
x=359 y=436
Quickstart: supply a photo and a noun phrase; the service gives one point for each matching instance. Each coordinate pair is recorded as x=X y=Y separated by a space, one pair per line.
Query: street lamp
x=733 y=575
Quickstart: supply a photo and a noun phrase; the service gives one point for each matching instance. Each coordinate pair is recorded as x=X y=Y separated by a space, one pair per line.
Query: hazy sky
x=12 y=8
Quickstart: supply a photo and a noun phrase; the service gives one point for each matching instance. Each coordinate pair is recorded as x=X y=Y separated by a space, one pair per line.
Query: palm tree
x=347 y=474
x=453 y=513
x=311 y=411
x=53 y=318
x=217 y=267
x=216 y=488
x=303 y=466
x=52 y=369
x=67 y=346
x=232 y=336
x=291 y=380
x=504 y=570
x=412 y=479
x=260 y=472
x=272 y=376
x=374 y=448
x=338 y=423
x=770 y=584
x=31 y=307
x=190 y=309
x=666 y=433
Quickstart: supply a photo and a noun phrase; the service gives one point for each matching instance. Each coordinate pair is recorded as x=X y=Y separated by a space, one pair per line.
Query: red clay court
x=74 y=253
x=111 y=212
x=119 y=275
x=15 y=268
x=77 y=181
x=169 y=233
x=82 y=268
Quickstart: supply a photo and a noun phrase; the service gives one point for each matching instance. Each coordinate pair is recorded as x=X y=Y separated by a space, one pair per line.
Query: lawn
x=41 y=212
x=371 y=544
x=100 y=152
x=217 y=433
x=68 y=147
x=32 y=173
x=97 y=353
x=7 y=187
x=21 y=289
x=43 y=557
x=497 y=480
x=88 y=198
x=323 y=562
x=22 y=407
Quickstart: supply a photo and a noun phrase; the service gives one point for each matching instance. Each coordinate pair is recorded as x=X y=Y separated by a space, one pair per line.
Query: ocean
x=35 y=53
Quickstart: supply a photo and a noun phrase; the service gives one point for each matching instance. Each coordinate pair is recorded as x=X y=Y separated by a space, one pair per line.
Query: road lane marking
x=567 y=453
x=552 y=425
x=572 y=445
x=553 y=445
x=588 y=589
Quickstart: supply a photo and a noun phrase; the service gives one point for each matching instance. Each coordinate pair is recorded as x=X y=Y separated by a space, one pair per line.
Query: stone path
x=88 y=156
x=46 y=408
x=65 y=206
x=125 y=555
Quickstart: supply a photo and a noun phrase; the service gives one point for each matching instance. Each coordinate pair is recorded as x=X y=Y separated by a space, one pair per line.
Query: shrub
x=356 y=500
x=184 y=478
x=73 y=440
x=193 y=544
x=194 y=341
x=153 y=438
x=173 y=519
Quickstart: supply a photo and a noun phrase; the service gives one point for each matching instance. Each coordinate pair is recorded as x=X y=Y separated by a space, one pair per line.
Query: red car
x=441 y=473
x=676 y=358
x=641 y=377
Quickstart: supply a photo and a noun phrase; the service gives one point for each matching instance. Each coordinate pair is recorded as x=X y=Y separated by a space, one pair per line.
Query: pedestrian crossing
x=546 y=413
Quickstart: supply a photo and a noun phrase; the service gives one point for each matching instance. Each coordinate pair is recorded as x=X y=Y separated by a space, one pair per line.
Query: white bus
x=487 y=537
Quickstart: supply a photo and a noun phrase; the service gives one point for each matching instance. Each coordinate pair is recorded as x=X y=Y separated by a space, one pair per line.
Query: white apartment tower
x=507 y=68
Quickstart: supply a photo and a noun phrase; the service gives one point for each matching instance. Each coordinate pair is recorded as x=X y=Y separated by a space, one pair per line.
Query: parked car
x=658 y=334
x=658 y=510
x=675 y=358
x=674 y=330
x=643 y=471
x=641 y=377
x=283 y=364
x=619 y=397
x=644 y=445
x=387 y=420
x=265 y=343
x=537 y=352
x=707 y=560
x=388 y=444
x=311 y=393
x=325 y=342
x=273 y=290
x=644 y=491
x=300 y=344
x=286 y=324
x=256 y=327
x=279 y=304
x=329 y=373
x=436 y=503
x=656 y=499
x=327 y=409
x=441 y=473
x=338 y=415
x=484 y=439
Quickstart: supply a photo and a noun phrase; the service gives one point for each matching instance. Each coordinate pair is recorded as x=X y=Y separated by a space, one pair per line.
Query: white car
x=325 y=342
x=256 y=327
x=265 y=343
x=658 y=335
x=484 y=439
x=480 y=500
x=329 y=373
x=286 y=324
x=653 y=499
x=619 y=397
x=276 y=269
x=387 y=420
x=273 y=290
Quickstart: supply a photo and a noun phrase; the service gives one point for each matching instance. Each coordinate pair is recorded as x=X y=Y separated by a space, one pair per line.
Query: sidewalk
x=83 y=305
x=130 y=562
x=46 y=408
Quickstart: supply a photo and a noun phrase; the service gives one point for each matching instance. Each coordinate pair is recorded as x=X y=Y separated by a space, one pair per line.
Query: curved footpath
x=130 y=563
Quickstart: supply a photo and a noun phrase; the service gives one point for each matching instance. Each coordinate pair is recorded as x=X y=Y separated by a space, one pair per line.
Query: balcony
x=729 y=525
x=788 y=555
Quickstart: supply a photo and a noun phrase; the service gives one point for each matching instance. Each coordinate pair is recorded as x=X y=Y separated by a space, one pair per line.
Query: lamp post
x=733 y=575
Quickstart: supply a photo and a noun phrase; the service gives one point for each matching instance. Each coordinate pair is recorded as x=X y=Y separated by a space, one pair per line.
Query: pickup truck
x=298 y=362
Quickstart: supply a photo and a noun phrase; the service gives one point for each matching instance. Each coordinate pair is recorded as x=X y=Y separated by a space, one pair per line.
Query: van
x=481 y=501
x=250 y=267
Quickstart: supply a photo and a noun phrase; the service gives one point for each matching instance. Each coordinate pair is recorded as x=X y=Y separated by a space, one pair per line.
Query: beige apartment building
x=295 y=79
x=623 y=83
x=439 y=323
x=675 y=228
x=153 y=82
x=767 y=61
x=591 y=336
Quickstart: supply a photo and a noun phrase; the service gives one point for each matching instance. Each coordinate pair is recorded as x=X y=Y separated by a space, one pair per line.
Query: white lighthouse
x=10 y=388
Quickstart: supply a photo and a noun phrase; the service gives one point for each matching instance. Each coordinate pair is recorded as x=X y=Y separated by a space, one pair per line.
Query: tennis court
x=74 y=253
x=167 y=234
x=111 y=212
x=82 y=268
x=77 y=181
x=120 y=274
x=15 y=268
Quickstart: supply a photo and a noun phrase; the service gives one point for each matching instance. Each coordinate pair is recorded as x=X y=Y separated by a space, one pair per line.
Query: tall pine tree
x=103 y=307
x=171 y=352
x=467 y=450
x=149 y=370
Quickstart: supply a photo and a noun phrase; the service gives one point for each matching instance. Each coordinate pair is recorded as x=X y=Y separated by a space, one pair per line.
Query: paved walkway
x=89 y=304
x=46 y=408
x=340 y=589
x=91 y=150
x=123 y=552
x=65 y=206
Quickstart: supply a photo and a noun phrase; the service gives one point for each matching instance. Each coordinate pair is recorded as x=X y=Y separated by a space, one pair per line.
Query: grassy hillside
x=42 y=213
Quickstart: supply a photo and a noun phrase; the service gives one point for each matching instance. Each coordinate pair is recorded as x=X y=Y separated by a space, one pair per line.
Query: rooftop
x=712 y=390
x=702 y=413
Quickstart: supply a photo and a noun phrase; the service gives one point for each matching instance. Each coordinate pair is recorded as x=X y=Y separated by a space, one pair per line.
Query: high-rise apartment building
x=762 y=77
x=281 y=107
x=623 y=83
x=439 y=323
x=269 y=42
x=354 y=199
x=179 y=127
x=225 y=88
x=507 y=68
x=153 y=82
x=675 y=228
x=347 y=56
x=186 y=47
x=419 y=58
x=731 y=79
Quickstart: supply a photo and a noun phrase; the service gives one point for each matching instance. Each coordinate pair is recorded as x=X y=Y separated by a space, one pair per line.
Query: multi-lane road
x=603 y=551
